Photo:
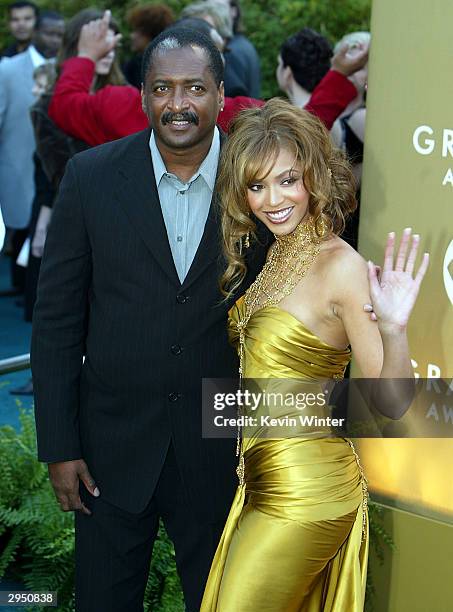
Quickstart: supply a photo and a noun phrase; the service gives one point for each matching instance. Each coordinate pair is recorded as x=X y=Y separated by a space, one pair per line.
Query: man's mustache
x=186 y=116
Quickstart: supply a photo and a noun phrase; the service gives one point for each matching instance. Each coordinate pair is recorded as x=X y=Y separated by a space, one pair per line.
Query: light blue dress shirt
x=185 y=206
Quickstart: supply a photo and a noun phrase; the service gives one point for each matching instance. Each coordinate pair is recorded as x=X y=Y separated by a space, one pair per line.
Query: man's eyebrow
x=186 y=81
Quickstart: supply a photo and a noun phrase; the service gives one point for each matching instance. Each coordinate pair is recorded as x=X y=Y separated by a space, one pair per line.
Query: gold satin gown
x=296 y=538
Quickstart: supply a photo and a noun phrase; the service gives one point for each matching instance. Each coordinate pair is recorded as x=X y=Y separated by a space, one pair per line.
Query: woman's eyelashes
x=256 y=187
x=290 y=180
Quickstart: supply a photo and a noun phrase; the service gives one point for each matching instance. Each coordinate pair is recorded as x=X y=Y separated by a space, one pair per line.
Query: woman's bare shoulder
x=344 y=266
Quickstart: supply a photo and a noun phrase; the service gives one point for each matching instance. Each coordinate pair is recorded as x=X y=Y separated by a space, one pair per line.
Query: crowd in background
x=55 y=101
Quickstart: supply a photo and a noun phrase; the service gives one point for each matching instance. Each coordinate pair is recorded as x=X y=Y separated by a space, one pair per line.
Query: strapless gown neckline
x=278 y=345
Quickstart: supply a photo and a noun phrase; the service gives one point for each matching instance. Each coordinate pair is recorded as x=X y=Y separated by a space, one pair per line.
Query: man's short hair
x=218 y=11
x=22 y=4
x=178 y=38
x=195 y=23
x=308 y=55
x=47 y=16
x=150 y=19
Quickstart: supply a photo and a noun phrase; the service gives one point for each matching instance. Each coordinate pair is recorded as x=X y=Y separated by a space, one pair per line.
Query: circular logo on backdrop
x=448 y=279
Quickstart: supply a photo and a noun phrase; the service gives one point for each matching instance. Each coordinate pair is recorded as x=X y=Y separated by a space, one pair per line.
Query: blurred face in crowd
x=139 y=41
x=49 y=36
x=21 y=23
x=181 y=97
x=104 y=65
x=40 y=84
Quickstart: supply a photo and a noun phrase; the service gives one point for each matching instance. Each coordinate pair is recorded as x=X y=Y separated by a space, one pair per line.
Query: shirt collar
x=207 y=169
x=36 y=57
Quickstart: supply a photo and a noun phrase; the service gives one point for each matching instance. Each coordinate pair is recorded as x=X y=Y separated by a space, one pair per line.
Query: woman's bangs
x=259 y=157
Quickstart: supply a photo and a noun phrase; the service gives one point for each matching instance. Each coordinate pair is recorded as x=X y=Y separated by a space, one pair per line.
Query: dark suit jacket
x=109 y=291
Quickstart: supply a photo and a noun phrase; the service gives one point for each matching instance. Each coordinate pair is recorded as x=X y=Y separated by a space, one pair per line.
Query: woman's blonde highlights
x=256 y=137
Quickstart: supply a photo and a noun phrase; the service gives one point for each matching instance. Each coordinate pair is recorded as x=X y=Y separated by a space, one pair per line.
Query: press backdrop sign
x=408 y=182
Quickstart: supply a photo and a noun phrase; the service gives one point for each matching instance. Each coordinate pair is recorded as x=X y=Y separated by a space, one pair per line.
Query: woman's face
x=280 y=200
x=104 y=65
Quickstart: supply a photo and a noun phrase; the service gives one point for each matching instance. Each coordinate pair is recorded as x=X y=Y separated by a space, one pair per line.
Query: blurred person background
x=17 y=142
x=54 y=148
x=22 y=16
x=246 y=58
x=145 y=23
x=242 y=76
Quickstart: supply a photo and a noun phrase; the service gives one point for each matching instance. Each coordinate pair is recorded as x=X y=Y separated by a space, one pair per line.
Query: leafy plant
x=37 y=538
x=380 y=541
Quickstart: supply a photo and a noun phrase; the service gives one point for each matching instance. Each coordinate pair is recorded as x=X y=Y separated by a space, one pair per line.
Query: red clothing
x=110 y=113
x=116 y=111
x=232 y=107
x=331 y=97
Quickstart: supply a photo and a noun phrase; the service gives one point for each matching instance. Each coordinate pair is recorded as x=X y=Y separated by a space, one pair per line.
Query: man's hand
x=95 y=40
x=348 y=61
x=65 y=477
x=39 y=239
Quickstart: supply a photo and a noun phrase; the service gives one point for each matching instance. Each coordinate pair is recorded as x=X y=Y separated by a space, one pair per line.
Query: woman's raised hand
x=394 y=291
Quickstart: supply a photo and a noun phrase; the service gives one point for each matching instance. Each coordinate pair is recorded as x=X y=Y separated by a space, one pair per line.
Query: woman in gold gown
x=296 y=538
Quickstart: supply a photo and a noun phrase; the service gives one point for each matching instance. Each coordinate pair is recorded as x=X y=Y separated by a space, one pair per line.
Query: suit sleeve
x=330 y=97
x=60 y=326
x=108 y=114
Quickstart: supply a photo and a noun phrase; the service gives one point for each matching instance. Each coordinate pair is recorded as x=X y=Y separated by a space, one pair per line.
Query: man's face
x=21 y=23
x=48 y=38
x=181 y=98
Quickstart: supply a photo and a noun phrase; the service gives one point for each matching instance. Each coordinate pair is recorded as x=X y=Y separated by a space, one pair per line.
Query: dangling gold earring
x=247 y=240
x=321 y=226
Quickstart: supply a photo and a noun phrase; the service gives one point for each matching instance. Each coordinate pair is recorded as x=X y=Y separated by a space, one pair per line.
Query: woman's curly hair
x=255 y=139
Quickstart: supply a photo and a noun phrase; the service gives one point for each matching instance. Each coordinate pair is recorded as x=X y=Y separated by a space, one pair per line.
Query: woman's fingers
x=422 y=270
x=369 y=308
x=388 y=255
x=401 y=257
x=412 y=254
x=373 y=280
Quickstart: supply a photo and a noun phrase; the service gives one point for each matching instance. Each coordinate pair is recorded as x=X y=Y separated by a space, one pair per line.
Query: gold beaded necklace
x=289 y=260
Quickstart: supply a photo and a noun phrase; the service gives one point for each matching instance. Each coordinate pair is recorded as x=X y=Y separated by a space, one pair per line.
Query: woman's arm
x=381 y=350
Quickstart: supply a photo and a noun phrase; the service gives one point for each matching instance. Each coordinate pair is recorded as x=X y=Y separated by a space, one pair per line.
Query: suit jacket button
x=176 y=349
x=173 y=397
x=182 y=299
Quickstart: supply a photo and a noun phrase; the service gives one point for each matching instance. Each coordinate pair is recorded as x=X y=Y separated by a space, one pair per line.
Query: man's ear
x=287 y=78
x=142 y=93
x=221 y=95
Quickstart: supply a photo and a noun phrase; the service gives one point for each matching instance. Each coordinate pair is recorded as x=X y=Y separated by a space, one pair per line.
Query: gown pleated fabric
x=296 y=538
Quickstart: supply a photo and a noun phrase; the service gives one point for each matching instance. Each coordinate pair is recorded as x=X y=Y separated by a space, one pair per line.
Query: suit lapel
x=137 y=193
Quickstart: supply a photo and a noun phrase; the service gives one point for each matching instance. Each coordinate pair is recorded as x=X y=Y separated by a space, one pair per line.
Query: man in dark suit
x=128 y=320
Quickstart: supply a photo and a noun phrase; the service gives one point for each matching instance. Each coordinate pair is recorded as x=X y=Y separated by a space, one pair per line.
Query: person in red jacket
x=115 y=112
